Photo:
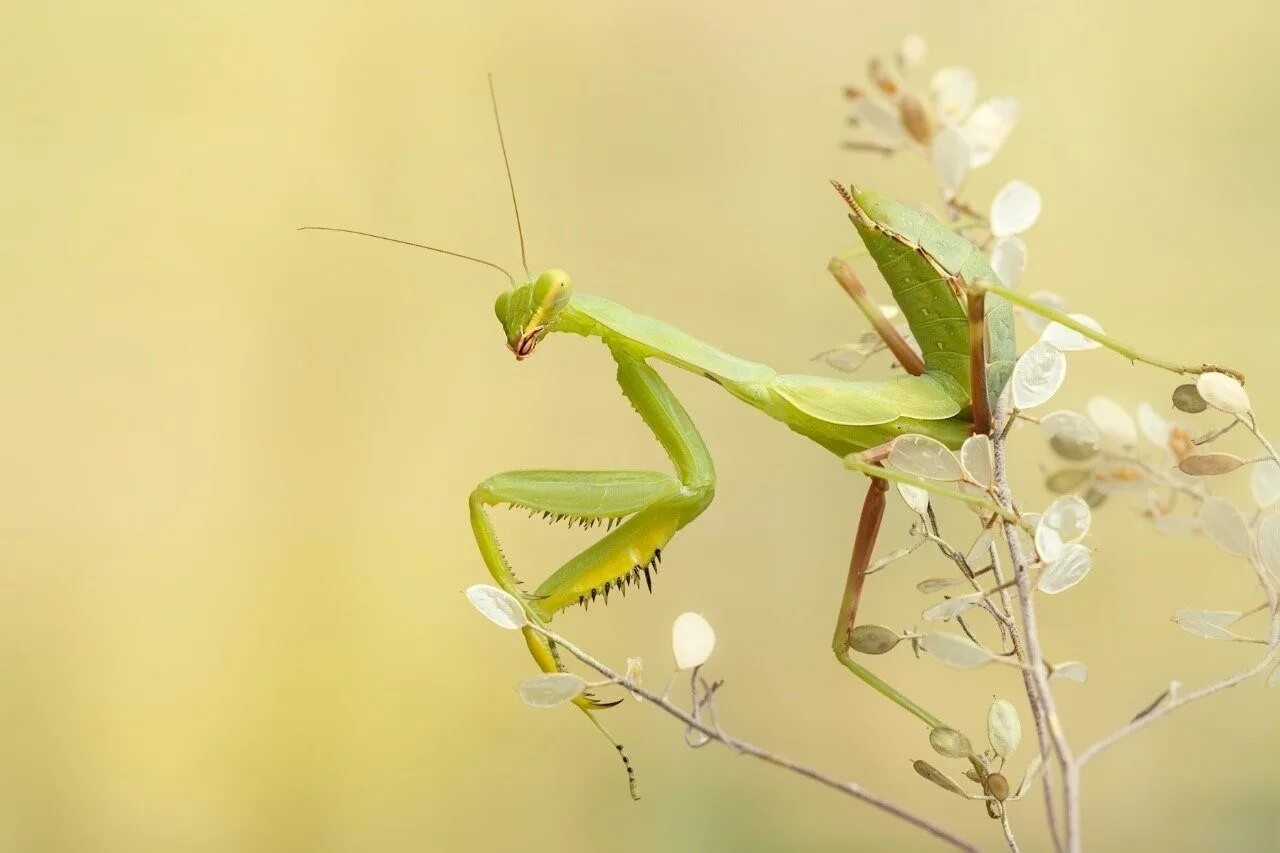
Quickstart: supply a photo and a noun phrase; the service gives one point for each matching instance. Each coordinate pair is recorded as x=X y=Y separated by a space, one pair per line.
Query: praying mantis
x=959 y=314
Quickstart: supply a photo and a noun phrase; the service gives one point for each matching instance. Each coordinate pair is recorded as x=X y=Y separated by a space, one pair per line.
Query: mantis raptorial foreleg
x=648 y=507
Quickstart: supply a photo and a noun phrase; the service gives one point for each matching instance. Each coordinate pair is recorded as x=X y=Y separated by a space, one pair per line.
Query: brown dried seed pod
x=873 y=639
x=1210 y=464
x=1181 y=443
x=998 y=787
x=937 y=777
x=916 y=119
x=882 y=78
x=1186 y=398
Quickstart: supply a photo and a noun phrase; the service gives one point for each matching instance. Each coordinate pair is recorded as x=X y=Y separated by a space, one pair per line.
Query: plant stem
x=1094 y=335
x=1172 y=703
x=1039 y=694
x=740 y=746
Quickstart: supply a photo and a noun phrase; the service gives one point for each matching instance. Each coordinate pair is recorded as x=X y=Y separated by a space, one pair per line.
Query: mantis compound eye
x=550 y=294
x=528 y=313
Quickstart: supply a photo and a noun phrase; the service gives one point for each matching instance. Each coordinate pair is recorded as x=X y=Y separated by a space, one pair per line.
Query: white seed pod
x=1029 y=777
x=1269 y=543
x=980 y=551
x=851 y=356
x=1069 y=340
x=550 y=689
x=950 y=160
x=952 y=607
x=1154 y=427
x=1209 y=624
x=1049 y=544
x=1112 y=421
x=1264 y=482
x=500 y=608
x=914 y=497
x=692 y=640
x=1223 y=392
x=1225 y=526
x=953 y=650
x=925 y=457
x=1071 y=435
x=634 y=673
x=1015 y=208
x=954 y=91
x=1204 y=630
x=1036 y=322
x=1177 y=525
x=880 y=121
x=1004 y=730
x=1072 y=670
x=1066 y=571
x=987 y=129
x=976 y=459
x=1038 y=375
x=1070 y=516
x=913 y=51
x=1009 y=260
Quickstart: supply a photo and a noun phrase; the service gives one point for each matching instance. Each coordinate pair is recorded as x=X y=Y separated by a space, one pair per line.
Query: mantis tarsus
x=957 y=314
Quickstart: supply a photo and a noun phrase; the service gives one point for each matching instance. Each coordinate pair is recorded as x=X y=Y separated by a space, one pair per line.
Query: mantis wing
x=870 y=403
x=925 y=266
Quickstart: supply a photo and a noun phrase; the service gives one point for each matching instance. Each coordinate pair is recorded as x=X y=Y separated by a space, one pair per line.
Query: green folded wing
x=869 y=403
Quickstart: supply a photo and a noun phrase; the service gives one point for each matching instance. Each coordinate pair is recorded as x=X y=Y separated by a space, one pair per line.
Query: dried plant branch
x=714 y=732
x=1170 y=703
x=1039 y=694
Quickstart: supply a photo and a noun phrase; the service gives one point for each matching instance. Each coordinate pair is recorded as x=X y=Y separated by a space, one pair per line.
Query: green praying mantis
x=962 y=321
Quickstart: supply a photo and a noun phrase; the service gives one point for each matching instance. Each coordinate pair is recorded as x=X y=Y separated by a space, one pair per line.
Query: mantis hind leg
x=642 y=509
x=863 y=546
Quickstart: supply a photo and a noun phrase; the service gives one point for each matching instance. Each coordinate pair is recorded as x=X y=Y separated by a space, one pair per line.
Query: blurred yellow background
x=236 y=457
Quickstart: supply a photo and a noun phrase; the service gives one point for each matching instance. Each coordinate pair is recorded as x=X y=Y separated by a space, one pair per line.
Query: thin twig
x=1172 y=703
x=715 y=733
x=1039 y=695
x=1008 y=830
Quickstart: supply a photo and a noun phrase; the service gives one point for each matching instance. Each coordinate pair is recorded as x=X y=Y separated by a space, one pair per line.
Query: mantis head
x=528 y=312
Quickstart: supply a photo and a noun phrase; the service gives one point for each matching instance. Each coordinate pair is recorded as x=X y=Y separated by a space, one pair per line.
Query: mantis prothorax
x=949 y=297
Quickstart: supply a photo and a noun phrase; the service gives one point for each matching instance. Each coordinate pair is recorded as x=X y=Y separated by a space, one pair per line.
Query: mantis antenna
x=506 y=161
x=415 y=245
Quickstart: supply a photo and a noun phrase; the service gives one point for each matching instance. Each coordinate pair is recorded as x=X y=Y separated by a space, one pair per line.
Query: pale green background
x=235 y=457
